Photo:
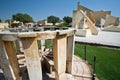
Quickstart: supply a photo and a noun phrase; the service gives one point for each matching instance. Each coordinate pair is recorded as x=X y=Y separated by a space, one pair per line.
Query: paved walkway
x=81 y=71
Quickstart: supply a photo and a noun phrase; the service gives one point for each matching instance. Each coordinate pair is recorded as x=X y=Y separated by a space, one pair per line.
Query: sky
x=41 y=9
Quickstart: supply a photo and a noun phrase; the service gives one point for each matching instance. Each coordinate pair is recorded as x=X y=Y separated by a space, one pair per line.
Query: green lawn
x=107 y=61
x=48 y=44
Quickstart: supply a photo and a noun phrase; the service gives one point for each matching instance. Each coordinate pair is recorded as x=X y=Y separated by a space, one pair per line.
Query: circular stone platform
x=81 y=70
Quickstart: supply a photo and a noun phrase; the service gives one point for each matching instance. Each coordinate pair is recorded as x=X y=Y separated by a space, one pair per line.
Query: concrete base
x=81 y=33
x=80 y=71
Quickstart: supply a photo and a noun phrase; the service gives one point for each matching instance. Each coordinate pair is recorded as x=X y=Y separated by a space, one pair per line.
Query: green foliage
x=63 y=25
x=107 y=61
x=67 y=19
x=25 y=18
x=39 y=44
x=53 y=19
x=7 y=20
x=48 y=44
x=14 y=25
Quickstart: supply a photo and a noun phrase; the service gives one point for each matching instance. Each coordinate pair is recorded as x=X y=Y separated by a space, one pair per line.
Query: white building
x=4 y=25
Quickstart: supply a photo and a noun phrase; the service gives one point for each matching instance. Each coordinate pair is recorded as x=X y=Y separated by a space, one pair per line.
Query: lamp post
x=85 y=52
x=93 y=76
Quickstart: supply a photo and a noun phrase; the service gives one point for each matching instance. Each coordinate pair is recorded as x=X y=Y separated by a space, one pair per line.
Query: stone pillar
x=32 y=58
x=19 y=46
x=70 y=53
x=78 y=6
x=12 y=59
x=43 y=45
x=8 y=60
x=59 y=53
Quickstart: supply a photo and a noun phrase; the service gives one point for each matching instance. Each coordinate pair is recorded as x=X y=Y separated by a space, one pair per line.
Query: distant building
x=10 y=22
x=4 y=25
x=95 y=16
x=44 y=22
x=84 y=18
x=29 y=24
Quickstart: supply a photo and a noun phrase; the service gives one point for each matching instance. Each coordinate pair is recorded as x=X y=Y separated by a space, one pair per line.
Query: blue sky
x=41 y=9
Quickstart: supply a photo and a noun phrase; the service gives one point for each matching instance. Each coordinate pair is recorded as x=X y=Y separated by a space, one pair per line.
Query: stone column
x=43 y=43
x=43 y=46
x=8 y=60
x=70 y=53
x=59 y=53
x=12 y=59
x=32 y=58
x=19 y=46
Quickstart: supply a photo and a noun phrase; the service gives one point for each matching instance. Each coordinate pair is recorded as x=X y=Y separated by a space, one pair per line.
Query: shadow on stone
x=2 y=76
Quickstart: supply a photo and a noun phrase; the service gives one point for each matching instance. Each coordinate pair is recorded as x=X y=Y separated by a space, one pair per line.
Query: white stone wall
x=4 y=25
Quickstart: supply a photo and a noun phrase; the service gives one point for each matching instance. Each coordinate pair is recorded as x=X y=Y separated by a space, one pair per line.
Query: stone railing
x=63 y=49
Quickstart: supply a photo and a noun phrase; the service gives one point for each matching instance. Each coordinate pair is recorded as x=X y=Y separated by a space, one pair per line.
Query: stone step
x=20 y=56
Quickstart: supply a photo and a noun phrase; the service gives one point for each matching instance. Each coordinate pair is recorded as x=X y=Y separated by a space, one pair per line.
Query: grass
x=48 y=44
x=107 y=61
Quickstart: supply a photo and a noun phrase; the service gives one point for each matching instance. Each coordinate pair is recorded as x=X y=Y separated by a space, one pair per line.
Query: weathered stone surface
x=70 y=53
x=81 y=20
x=32 y=58
x=90 y=24
x=81 y=32
x=59 y=53
x=8 y=60
x=33 y=61
x=12 y=59
x=4 y=63
x=111 y=20
x=112 y=28
x=96 y=16
x=77 y=17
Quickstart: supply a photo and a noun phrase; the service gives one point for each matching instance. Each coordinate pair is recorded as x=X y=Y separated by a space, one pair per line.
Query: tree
x=67 y=19
x=0 y=20
x=14 y=25
x=25 y=18
x=9 y=21
x=53 y=19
